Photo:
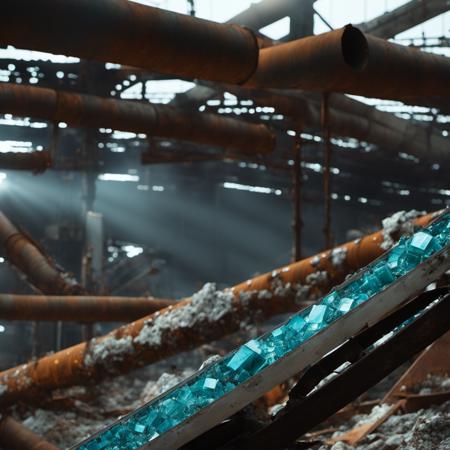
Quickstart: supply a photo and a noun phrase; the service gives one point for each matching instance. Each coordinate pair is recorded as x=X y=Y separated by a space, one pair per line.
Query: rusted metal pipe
x=14 y=436
x=78 y=309
x=347 y=60
x=39 y=269
x=324 y=62
x=350 y=118
x=207 y=316
x=125 y=32
x=156 y=120
x=396 y=71
x=34 y=161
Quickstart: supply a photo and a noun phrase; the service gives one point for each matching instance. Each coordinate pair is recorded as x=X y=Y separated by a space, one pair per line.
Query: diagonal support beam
x=404 y=17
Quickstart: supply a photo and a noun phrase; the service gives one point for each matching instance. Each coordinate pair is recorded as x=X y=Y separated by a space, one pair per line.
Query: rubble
x=399 y=222
x=426 y=429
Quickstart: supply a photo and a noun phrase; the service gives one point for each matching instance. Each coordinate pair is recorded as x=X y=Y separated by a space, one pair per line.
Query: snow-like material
x=400 y=222
x=207 y=305
x=338 y=257
x=3 y=389
x=315 y=261
x=319 y=278
x=165 y=382
x=107 y=350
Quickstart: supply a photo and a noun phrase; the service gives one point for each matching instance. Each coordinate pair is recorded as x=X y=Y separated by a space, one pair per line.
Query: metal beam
x=371 y=366
x=404 y=17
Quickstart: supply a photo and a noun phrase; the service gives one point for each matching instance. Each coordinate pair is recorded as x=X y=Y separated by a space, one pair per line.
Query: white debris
x=165 y=382
x=208 y=305
x=64 y=428
x=103 y=351
x=400 y=222
x=315 y=261
x=427 y=429
x=377 y=413
x=338 y=257
x=319 y=278
x=246 y=296
x=3 y=389
x=265 y=294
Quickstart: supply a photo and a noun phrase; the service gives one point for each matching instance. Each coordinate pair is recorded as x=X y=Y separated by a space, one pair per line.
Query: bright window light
x=132 y=250
x=278 y=29
x=118 y=177
x=257 y=189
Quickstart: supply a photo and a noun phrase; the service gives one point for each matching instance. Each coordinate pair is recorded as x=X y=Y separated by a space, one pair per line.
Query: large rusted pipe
x=156 y=120
x=39 y=269
x=79 y=308
x=120 y=31
x=34 y=161
x=14 y=436
x=125 y=32
x=206 y=316
x=346 y=60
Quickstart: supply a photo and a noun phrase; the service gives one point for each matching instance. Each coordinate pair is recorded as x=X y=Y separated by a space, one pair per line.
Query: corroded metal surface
x=14 y=436
x=434 y=361
x=39 y=269
x=125 y=32
x=325 y=62
x=157 y=336
x=156 y=120
x=347 y=60
x=79 y=308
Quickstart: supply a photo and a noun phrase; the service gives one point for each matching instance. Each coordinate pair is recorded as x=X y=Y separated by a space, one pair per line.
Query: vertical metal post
x=326 y=169
x=59 y=332
x=297 y=222
x=34 y=339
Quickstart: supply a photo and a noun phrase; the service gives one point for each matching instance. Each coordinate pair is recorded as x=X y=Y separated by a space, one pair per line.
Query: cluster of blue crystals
x=185 y=400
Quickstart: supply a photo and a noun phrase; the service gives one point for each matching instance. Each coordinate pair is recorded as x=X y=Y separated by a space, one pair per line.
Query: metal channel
x=367 y=314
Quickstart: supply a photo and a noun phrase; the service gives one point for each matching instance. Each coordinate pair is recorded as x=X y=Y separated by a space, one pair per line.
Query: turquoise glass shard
x=187 y=399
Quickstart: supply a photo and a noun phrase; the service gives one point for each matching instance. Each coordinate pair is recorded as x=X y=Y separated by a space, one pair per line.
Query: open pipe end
x=355 y=48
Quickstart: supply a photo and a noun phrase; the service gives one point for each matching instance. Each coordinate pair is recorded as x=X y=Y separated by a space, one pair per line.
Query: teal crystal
x=317 y=314
x=178 y=404
x=248 y=358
